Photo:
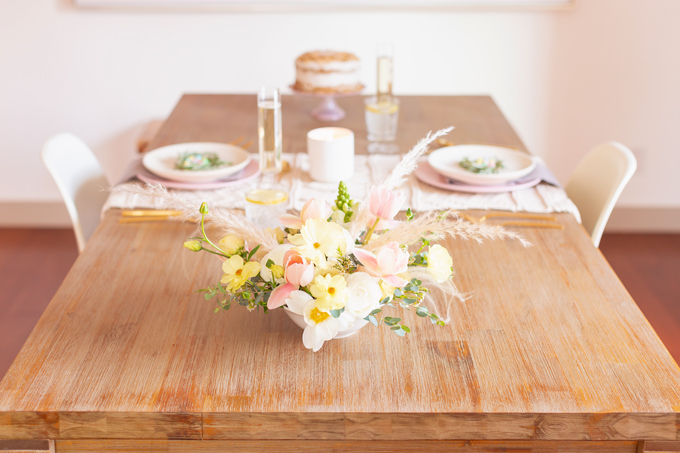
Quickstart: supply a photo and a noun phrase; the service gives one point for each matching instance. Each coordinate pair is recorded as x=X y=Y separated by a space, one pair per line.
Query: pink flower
x=299 y=270
x=278 y=297
x=390 y=261
x=315 y=208
x=384 y=203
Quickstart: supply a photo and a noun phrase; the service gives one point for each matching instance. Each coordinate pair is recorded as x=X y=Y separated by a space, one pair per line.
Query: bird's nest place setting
x=334 y=268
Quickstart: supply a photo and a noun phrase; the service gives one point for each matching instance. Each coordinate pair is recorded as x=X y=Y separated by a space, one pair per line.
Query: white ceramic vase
x=300 y=321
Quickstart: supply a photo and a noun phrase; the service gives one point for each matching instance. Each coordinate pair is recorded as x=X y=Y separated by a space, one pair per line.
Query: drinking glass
x=266 y=202
x=264 y=206
x=385 y=70
x=269 y=132
x=382 y=116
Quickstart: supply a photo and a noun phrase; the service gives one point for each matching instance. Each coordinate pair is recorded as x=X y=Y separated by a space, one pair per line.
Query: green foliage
x=198 y=161
x=482 y=165
x=408 y=297
x=346 y=264
x=343 y=202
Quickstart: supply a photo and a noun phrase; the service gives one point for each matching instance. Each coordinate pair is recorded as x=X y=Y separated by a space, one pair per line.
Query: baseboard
x=624 y=219
x=34 y=214
x=644 y=220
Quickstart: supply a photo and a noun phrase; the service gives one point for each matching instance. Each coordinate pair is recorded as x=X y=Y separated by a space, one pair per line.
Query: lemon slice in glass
x=266 y=196
x=383 y=107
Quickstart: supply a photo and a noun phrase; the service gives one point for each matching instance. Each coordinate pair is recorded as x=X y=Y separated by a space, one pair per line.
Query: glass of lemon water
x=382 y=116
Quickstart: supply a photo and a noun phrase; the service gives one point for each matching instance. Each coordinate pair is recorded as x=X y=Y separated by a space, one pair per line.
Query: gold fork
x=237 y=141
x=515 y=222
x=149 y=215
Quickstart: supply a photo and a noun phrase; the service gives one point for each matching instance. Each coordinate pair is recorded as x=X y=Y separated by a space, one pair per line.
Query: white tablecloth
x=368 y=170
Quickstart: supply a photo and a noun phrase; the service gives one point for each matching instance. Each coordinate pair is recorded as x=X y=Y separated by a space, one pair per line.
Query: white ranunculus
x=276 y=255
x=439 y=263
x=364 y=294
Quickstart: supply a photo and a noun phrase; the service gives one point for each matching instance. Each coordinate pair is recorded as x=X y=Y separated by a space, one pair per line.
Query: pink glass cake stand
x=328 y=109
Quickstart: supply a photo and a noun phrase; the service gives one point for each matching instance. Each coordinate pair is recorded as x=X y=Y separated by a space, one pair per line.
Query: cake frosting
x=325 y=71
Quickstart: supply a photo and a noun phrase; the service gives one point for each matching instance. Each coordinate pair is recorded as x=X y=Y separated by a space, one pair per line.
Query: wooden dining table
x=548 y=354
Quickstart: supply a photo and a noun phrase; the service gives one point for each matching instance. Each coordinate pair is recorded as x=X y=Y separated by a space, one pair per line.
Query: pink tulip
x=299 y=270
x=278 y=297
x=390 y=261
x=384 y=203
x=315 y=208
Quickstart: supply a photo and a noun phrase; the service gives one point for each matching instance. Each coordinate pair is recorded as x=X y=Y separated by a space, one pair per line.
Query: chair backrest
x=80 y=180
x=597 y=183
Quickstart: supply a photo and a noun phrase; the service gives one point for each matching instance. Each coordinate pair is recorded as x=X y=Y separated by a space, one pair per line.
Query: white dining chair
x=597 y=183
x=80 y=180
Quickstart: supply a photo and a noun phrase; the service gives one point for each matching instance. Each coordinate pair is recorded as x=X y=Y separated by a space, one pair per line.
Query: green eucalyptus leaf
x=422 y=311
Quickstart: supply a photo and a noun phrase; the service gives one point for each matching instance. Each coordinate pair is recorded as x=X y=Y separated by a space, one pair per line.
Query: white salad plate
x=161 y=161
x=446 y=161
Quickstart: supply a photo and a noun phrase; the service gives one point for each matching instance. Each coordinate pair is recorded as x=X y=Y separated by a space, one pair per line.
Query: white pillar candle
x=331 y=154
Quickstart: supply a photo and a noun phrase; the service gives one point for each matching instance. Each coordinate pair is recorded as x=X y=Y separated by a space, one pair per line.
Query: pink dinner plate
x=429 y=175
x=250 y=172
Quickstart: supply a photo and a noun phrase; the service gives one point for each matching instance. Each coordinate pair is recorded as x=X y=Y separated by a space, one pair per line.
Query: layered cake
x=327 y=72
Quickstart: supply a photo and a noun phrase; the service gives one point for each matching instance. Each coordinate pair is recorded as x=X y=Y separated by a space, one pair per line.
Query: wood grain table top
x=550 y=345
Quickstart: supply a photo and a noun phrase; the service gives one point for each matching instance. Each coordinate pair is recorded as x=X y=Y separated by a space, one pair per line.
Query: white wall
x=566 y=81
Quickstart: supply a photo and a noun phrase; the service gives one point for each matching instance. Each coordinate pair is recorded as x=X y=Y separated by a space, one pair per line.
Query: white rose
x=364 y=294
x=276 y=255
x=439 y=263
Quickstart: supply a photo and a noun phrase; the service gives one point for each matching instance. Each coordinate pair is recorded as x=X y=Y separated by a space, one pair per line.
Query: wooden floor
x=33 y=264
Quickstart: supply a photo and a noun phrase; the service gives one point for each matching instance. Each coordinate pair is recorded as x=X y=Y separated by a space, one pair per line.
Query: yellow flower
x=194 y=246
x=277 y=271
x=318 y=239
x=330 y=292
x=439 y=263
x=387 y=290
x=231 y=244
x=237 y=272
x=278 y=233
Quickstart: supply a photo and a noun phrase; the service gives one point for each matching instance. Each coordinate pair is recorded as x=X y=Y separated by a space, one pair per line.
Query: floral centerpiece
x=335 y=268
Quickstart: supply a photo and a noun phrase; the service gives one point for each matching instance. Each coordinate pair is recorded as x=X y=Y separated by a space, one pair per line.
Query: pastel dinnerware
x=331 y=154
x=161 y=161
x=249 y=173
x=429 y=175
x=447 y=162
